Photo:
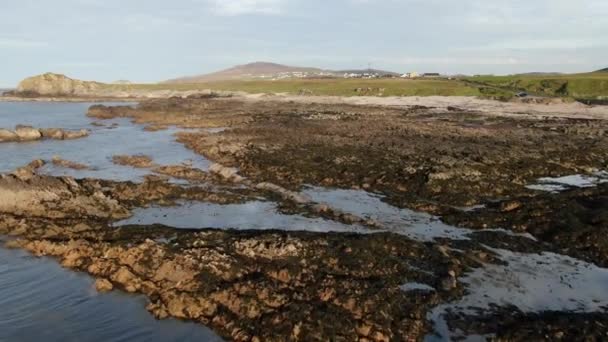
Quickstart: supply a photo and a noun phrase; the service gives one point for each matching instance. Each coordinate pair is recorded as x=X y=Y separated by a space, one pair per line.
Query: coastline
x=68 y=99
x=438 y=104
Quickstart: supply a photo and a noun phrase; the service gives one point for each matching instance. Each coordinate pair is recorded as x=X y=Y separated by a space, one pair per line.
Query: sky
x=155 y=40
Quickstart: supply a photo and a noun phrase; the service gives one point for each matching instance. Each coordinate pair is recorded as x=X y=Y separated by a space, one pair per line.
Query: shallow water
x=40 y=301
x=417 y=287
x=532 y=283
x=251 y=215
x=96 y=150
x=573 y=181
x=418 y=226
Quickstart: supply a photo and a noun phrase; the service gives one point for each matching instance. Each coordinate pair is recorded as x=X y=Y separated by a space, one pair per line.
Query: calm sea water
x=39 y=300
x=117 y=136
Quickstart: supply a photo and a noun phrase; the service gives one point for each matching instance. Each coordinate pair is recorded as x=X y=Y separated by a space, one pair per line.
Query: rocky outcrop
x=58 y=161
x=27 y=194
x=6 y=135
x=51 y=84
x=29 y=133
x=228 y=173
x=137 y=161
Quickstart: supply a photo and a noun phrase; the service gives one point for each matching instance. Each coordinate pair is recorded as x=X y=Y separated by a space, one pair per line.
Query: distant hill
x=603 y=70
x=266 y=70
x=247 y=71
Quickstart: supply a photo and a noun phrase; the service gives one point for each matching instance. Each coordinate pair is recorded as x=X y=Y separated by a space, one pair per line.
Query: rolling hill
x=247 y=71
x=266 y=70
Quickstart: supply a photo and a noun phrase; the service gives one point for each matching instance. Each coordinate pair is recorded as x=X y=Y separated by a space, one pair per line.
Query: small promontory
x=51 y=84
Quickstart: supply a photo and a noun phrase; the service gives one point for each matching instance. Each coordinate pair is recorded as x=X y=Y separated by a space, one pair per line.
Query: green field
x=578 y=86
x=338 y=87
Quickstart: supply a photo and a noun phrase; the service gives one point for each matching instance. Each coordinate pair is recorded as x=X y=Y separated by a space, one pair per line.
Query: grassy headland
x=337 y=87
x=590 y=86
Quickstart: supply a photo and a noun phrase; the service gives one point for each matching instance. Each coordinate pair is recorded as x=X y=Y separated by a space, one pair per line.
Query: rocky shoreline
x=470 y=169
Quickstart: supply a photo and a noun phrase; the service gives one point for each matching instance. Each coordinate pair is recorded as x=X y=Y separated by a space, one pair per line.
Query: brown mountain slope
x=252 y=70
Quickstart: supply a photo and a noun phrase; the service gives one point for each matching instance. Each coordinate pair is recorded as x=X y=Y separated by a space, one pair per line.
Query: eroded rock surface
x=471 y=169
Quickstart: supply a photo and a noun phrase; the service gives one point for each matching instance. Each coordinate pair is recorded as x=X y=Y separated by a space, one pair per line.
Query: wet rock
x=8 y=136
x=75 y=134
x=28 y=194
x=103 y=285
x=27 y=133
x=182 y=172
x=27 y=172
x=284 y=193
x=52 y=133
x=155 y=128
x=510 y=206
x=227 y=173
x=58 y=161
x=127 y=279
x=137 y=161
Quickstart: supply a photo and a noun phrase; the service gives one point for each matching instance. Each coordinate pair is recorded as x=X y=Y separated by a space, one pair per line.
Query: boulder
x=52 y=133
x=75 y=134
x=228 y=173
x=103 y=285
x=6 y=135
x=27 y=133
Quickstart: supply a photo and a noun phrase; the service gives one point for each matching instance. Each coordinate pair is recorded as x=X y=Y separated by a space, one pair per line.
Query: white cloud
x=239 y=7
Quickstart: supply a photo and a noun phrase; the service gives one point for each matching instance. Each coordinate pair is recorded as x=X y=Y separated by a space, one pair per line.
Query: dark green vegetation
x=591 y=86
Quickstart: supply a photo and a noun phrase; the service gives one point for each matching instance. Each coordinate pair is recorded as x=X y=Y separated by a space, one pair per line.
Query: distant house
x=410 y=75
x=431 y=74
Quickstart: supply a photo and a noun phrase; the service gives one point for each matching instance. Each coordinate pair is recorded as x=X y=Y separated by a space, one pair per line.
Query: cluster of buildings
x=411 y=75
x=364 y=75
x=417 y=75
x=354 y=74
x=300 y=74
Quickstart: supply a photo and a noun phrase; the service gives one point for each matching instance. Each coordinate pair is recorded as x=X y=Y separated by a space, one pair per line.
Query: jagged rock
x=25 y=193
x=228 y=173
x=27 y=172
x=103 y=285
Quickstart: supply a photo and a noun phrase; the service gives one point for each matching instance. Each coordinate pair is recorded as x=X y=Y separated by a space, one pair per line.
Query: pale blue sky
x=153 y=40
